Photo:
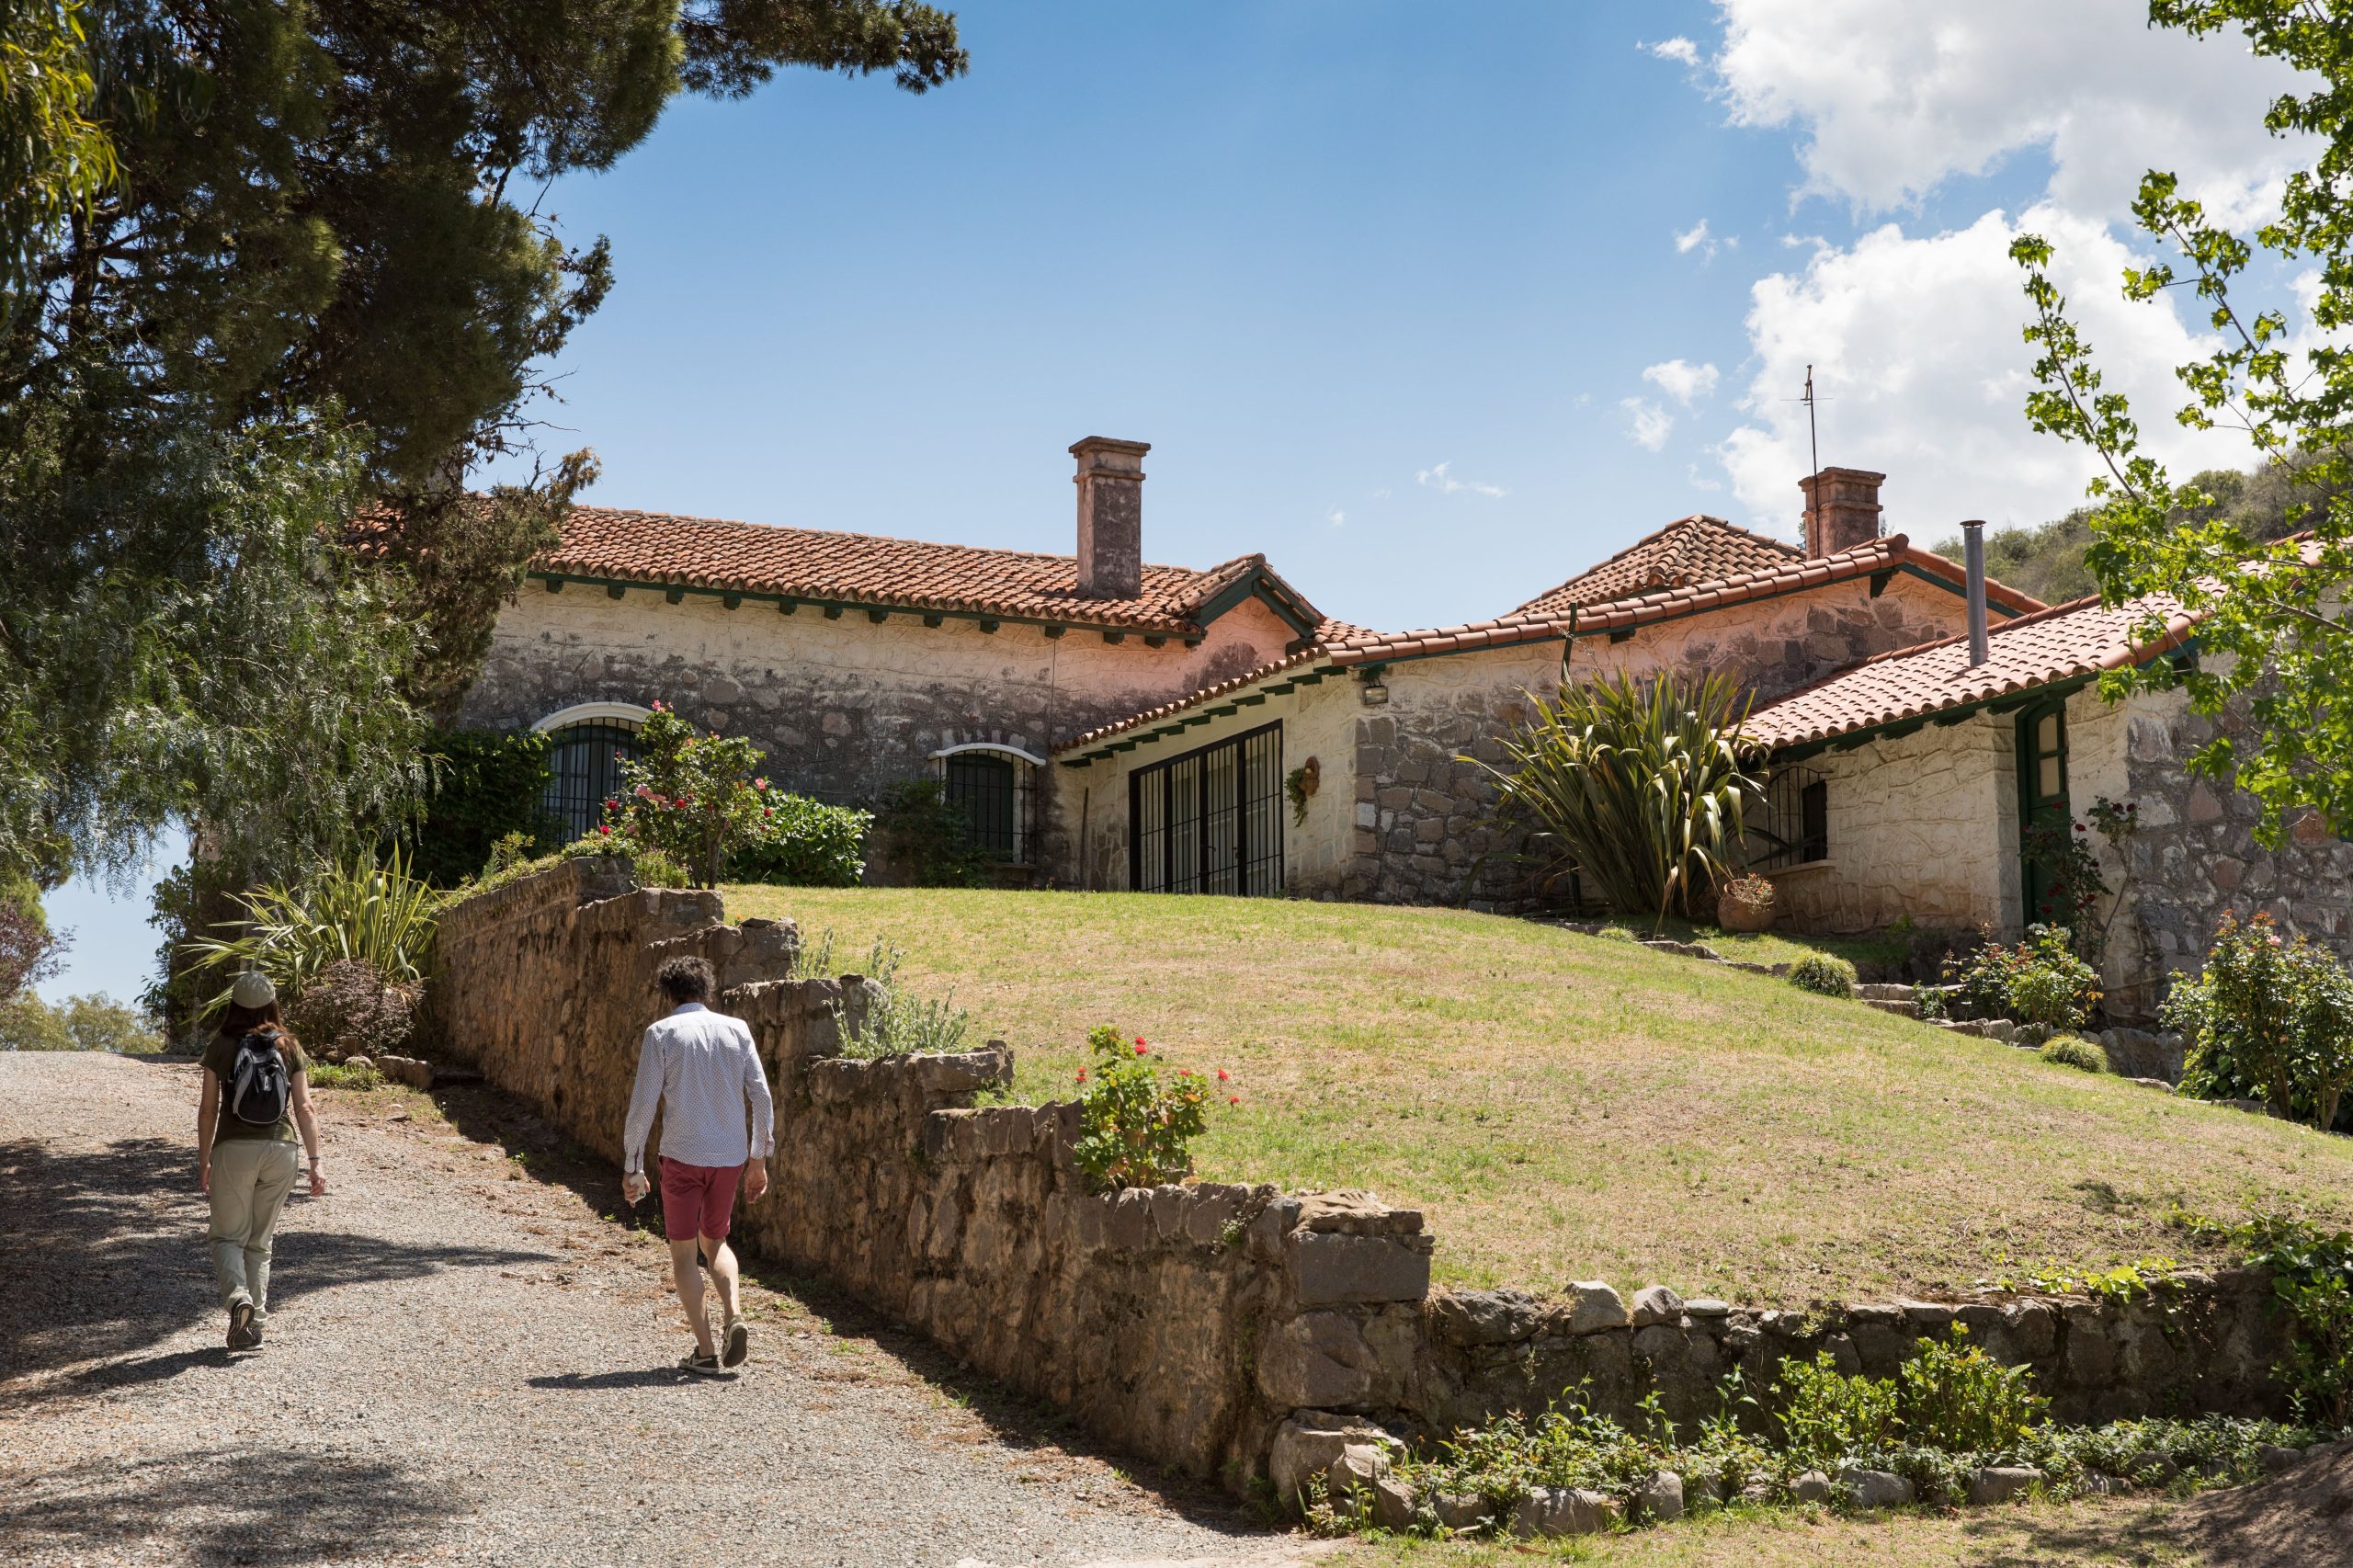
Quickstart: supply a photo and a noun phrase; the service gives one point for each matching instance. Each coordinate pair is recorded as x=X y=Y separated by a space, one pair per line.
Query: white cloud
x=1693 y=238
x=1646 y=423
x=1336 y=517
x=1681 y=380
x=1700 y=480
x=1916 y=355
x=1436 y=478
x=1892 y=97
x=1681 y=50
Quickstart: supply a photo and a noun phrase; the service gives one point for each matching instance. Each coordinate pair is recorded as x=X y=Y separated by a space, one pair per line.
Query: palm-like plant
x=378 y=913
x=1642 y=785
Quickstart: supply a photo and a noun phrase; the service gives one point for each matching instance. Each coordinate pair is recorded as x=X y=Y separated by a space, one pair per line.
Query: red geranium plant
x=1137 y=1121
x=694 y=796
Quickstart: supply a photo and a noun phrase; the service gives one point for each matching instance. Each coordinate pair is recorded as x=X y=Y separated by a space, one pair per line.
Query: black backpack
x=258 y=1091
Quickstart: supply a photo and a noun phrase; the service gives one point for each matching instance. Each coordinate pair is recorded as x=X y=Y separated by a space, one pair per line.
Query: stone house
x=1932 y=762
x=856 y=661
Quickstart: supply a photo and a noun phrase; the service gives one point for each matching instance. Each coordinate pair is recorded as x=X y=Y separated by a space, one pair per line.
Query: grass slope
x=1567 y=1106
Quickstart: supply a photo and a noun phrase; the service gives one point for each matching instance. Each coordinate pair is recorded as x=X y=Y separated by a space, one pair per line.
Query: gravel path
x=468 y=1363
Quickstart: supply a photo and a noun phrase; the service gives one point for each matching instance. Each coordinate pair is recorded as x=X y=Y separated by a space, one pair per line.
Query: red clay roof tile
x=1697 y=549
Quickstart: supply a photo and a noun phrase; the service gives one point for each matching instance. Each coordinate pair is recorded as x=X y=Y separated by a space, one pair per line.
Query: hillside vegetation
x=2048 y=560
x=1573 y=1107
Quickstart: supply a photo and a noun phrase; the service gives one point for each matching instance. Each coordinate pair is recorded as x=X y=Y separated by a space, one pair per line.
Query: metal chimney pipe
x=1973 y=534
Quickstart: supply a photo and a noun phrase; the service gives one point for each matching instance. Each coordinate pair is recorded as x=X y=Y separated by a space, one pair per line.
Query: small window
x=1791 y=826
x=585 y=760
x=991 y=788
x=1813 y=812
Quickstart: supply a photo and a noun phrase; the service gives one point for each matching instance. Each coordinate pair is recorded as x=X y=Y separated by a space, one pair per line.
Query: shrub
x=2267 y=1019
x=1825 y=974
x=30 y=950
x=379 y=915
x=1953 y=1397
x=896 y=1024
x=926 y=839
x=803 y=843
x=2073 y=1050
x=332 y=1075
x=348 y=1010
x=1824 y=1415
x=2039 y=981
x=1137 y=1123
x=79 y=1023
x=1643 y=787
x=696 y=797
x=488 y=786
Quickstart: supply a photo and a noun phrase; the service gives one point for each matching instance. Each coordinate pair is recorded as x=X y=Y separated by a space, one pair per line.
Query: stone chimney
x=1841 y=510
x=1110 y=518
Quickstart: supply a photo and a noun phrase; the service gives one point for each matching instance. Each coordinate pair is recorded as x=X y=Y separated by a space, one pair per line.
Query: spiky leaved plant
x=1642 y=784
x=375 y=913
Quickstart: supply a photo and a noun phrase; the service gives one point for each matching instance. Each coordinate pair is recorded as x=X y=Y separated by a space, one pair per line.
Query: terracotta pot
x=1736 y=913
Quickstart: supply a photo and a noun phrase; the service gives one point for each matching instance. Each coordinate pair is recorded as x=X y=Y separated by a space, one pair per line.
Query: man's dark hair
x=685 y=980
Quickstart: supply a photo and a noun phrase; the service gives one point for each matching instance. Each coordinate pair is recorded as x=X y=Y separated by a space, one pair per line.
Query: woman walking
x=257 y=1092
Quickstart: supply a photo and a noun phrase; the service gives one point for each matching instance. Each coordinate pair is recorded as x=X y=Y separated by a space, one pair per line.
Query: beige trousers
x=251 y=1177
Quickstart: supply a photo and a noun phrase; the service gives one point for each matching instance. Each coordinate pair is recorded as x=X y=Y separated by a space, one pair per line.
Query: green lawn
x=1568 y=1107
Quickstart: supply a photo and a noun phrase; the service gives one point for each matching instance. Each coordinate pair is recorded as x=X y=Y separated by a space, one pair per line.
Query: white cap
x=253 y=990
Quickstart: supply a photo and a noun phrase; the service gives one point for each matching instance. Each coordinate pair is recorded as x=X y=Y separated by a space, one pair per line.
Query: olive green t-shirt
x=220 y=1060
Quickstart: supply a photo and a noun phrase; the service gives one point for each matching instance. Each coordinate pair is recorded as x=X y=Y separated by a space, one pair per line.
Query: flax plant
x=1643 y=785
x=376 y=913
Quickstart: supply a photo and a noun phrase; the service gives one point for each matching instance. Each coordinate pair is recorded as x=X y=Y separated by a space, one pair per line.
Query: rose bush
x=1137 y=1121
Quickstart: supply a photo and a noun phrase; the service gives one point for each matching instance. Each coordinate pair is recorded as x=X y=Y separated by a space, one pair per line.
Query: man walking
x=701 y=1068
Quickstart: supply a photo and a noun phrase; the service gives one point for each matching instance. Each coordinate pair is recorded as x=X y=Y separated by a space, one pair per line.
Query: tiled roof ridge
x=1237 y=563
x=1308 y=654
x=1686 y=527
x=1807 y=571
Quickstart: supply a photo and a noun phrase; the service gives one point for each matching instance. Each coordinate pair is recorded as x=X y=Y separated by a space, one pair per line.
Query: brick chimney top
x=1110 y=517
x=1841 y=509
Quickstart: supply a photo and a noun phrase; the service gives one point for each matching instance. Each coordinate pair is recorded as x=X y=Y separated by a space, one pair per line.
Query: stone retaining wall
x=1179 y=1323
x=1206 y=1327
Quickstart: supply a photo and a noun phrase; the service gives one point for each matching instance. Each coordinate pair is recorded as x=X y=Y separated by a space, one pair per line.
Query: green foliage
x=696 y=797
x=377 y=914
x=2274 y=643
x=2039 y=981
x=1643 y=788
x=803 y=843
x=2312 y=1282
x=2073 y=888
x=2268 y=1020
x=1952 y=1397
x=348 y=1009
x=333 y=1075
x=79 y=1023
x=487 y=786
x=897 y=1024
x=2073 y=1050
x=926 y=839
x=1824 y=1417
x=1825 y=974
x=1137 y=1122
x=56 y=160
x=30 y=952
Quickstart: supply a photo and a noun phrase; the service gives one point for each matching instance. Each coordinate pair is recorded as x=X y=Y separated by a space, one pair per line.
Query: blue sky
x=1414 y=299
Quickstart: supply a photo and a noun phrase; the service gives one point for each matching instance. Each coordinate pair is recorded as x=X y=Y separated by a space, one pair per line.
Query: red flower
x=1142 y=1047
x=657 y=708
x=1082 y=1075
x=604 y=827
x=1234 y=1099
x=1184 y=1072
x=1222 y=1075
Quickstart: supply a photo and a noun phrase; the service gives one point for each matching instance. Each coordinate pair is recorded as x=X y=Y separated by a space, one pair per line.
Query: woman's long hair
x=238 y=1022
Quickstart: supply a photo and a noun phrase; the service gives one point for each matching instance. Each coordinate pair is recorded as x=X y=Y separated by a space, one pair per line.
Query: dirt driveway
x=469 y=1363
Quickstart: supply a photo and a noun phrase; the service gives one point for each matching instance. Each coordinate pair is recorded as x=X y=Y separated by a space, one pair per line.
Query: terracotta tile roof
x=703 y=552
x=1790 y=573
x=2080 y=638
x=1697 y=549
x=1268 y=671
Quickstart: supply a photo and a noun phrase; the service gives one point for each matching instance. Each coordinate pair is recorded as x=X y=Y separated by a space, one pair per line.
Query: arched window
x=586 y=744
x=990 y=784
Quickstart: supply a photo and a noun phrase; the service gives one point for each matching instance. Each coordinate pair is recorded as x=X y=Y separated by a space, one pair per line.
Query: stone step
x=1902 y=1008
x=1878 y=991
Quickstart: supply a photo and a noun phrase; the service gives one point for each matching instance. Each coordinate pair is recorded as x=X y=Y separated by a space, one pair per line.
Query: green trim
x=732 y=601
x=1115 y=638
x=2008 y=703
x=1880 y=580
x=1253 y=700
x=788 y=604
x=1258 y=583
x=877 y=615
x=1055 y=630
x=1622 y=633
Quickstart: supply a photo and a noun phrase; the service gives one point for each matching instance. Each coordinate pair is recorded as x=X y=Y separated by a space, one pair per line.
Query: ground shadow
x=632 y=1378
x=1013 y=1420
x=104 y=1255
x=260 y=1507
x=2143 y=1531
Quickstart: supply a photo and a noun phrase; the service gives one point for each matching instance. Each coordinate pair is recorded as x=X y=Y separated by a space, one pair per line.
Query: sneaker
x=243 y=1332
x=735 y=1344
x=703 y=1366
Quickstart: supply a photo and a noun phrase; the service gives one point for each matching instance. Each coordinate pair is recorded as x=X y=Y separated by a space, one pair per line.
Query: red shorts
x=697 y=1200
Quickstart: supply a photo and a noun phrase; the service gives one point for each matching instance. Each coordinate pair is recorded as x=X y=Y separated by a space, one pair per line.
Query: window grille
x=1210 y=821
x=992 y=789
x=585 y=760
x=1791 y=826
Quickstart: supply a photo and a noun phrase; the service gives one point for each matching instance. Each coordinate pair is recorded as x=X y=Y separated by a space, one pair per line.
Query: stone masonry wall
x=1169 y=1321
x=1210 y=1327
